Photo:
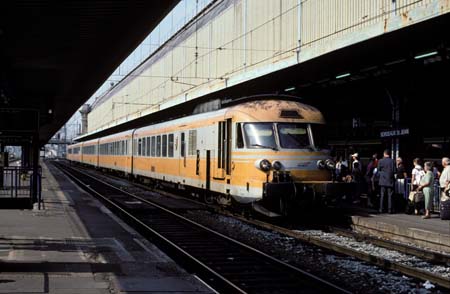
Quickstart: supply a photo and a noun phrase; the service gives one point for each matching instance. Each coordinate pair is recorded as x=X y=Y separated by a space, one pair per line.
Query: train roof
x=276 y=110
x=268 y=110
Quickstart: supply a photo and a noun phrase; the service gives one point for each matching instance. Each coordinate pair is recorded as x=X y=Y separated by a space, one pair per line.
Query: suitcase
x=445 y=210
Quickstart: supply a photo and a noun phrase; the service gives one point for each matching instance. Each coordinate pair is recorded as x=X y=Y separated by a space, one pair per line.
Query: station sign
x=394 y=133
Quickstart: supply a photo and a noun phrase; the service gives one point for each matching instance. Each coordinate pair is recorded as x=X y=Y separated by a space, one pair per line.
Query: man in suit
x=386 y=169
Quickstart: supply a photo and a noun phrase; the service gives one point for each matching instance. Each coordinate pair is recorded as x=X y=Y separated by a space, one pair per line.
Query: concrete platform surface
x=76 y=245
x=431 y=233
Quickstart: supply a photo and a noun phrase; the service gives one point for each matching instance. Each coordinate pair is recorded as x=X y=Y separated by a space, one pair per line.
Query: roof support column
x=35 y=183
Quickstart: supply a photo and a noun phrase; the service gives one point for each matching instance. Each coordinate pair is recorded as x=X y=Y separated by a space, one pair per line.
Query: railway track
x=227 y=265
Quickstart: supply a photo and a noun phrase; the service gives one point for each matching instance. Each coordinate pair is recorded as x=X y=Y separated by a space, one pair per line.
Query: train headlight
x=330 y=164
x=321 y=164
x=277 y=165
x=265 y=165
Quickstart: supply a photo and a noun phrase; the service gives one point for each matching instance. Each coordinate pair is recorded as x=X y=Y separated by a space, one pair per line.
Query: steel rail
x=224 y=281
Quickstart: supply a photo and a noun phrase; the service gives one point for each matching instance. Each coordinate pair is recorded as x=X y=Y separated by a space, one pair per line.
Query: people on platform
x=417 y=173
x=444 y=179
x=426 y=186
x=371 y=166
x=386 y=169
x=400 y=177
x=340 y=169
x=357 y=179
x=355 y=160
x=436 y=174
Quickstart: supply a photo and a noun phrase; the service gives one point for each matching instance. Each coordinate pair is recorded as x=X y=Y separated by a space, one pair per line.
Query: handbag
x=416 y=196
x=419 y=197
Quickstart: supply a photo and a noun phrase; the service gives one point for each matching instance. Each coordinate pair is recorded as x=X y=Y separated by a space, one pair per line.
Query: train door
x=223 y=160
x=182 y=161
x=208 y=170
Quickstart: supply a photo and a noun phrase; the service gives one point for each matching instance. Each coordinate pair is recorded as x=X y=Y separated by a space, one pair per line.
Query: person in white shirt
x=355 y=159
x=417 y=173
x=444 y=180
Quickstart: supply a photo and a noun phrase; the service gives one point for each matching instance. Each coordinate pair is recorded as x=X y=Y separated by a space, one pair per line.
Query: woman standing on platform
x=426 y=185
x=417 y=173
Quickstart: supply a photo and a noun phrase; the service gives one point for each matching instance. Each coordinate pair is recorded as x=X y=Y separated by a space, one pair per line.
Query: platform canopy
x=54 y=55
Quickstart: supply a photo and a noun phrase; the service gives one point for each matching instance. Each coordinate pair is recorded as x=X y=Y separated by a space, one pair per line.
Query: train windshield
x=293 y=135
x=260 y=135
x=319 y=135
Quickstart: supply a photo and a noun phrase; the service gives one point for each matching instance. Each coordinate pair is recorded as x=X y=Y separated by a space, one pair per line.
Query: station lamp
x=425 y=55
x=343 y=75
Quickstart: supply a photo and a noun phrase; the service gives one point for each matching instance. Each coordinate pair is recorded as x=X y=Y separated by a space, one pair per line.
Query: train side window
x=140 y=147
x=158 y=146
x=239 y=137
x=144 y=146
x=192 y=144
x=183 y=145
x=164 y=146
x=148 y=146
x=170 y=147
x=153 y=152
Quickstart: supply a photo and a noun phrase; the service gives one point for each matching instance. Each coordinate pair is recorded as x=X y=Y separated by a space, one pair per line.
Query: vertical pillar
x=2 y=149
x=395 y=116
x=35 y=166
x=28 y=154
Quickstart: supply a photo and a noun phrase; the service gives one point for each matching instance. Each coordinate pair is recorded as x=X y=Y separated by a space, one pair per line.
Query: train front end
x=285 y=142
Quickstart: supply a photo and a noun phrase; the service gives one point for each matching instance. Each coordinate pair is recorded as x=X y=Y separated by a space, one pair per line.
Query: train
x=264 y=153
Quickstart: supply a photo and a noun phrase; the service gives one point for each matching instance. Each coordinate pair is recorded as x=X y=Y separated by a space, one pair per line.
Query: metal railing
x=17 y=182
x=436 y=192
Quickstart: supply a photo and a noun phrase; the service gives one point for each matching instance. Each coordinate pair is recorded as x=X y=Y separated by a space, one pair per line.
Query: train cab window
x=319 y=136
x=260 y=135
x=239 y=137
x=153 y=149
x=293 y=135
x=158 y=146
x=170 y=146
x=164 y=146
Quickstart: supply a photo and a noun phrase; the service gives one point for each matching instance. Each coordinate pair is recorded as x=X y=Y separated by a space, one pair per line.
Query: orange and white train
x=265 y=152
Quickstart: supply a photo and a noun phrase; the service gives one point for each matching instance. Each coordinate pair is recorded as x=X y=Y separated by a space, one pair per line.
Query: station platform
x=432 y=233
x=75 y=245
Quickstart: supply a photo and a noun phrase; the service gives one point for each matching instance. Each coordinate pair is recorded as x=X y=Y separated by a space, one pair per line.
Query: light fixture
x=343 y=75
x=426 y=55
x=289 y=89
x=50 y=111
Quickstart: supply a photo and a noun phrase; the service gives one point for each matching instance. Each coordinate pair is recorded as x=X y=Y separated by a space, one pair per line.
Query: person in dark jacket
x=386 y=168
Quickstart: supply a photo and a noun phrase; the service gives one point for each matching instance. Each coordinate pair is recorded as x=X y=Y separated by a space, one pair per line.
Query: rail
x=230 y=265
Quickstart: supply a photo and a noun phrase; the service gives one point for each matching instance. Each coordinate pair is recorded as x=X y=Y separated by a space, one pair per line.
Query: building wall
x=233 y=41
